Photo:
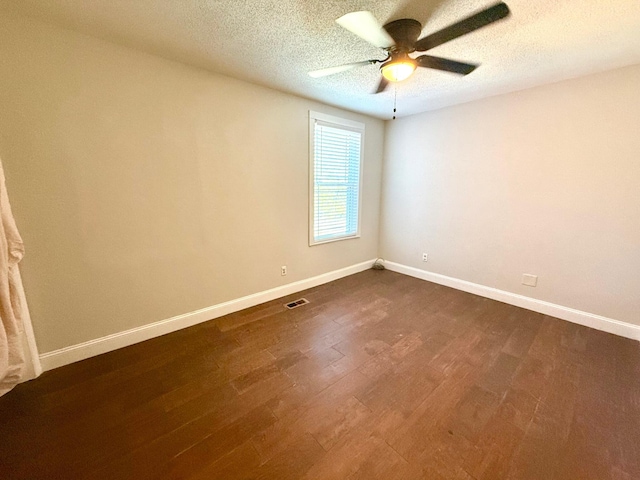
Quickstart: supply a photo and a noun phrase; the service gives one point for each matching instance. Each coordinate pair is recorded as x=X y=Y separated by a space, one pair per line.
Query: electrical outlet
x=283 y=270
x=529 y=280
x=425 y=257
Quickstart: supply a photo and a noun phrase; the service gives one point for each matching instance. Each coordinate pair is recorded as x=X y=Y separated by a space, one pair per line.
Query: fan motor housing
x=405 y=33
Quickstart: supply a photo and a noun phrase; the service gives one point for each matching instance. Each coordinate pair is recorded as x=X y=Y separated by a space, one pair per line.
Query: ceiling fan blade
x=474 y=22
x=382 y=85
x=323 y=72
x=365 y=25
x=445 y=64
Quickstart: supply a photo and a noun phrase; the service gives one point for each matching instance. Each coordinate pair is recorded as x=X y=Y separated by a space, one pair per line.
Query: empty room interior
x=300 y=239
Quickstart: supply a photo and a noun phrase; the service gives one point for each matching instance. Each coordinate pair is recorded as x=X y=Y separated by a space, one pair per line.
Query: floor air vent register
x=296 y=303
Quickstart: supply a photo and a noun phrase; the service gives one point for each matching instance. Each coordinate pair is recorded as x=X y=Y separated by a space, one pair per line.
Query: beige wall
x=146 y=189
x=544 y=181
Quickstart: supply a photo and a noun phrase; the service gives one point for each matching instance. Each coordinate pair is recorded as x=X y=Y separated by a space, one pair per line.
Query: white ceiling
x=276 y=42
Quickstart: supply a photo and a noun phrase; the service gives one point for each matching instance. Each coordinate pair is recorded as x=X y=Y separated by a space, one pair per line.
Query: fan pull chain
x=395 y=100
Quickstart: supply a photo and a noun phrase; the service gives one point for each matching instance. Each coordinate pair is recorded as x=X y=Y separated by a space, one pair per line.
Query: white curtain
x=12 y=301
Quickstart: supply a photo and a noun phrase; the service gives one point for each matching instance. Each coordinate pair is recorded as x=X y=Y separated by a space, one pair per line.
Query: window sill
x=331 y=240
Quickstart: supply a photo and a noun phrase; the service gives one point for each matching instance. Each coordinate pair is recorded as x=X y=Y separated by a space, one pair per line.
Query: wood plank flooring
x=380 y=376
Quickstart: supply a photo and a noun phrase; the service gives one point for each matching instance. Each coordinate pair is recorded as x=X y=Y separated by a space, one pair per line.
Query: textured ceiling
x=276 y=42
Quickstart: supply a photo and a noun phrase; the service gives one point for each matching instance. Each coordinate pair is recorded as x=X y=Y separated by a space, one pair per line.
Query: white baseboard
x=74 y=353
x=598 y=322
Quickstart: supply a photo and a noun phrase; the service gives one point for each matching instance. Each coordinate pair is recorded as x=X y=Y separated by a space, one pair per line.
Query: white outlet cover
x=529 y=280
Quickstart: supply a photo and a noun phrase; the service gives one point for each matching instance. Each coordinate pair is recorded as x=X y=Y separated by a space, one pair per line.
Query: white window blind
x=336 y=158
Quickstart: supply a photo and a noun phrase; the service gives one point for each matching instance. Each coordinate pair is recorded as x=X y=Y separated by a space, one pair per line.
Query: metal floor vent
x=296 y=303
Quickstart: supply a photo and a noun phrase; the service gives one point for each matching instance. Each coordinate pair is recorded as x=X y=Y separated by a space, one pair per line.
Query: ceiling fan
x=400 y=38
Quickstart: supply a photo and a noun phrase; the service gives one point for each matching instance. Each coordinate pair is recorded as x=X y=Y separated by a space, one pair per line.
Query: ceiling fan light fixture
x=398 y=69
x=399 y=38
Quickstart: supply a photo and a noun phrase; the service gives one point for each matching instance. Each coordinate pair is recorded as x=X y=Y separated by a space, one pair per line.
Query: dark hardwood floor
x=380 y=376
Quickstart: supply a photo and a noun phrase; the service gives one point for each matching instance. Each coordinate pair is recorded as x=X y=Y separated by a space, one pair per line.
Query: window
x=335 y=177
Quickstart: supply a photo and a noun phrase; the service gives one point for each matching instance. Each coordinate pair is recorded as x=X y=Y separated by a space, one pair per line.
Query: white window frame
x=345 y=124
